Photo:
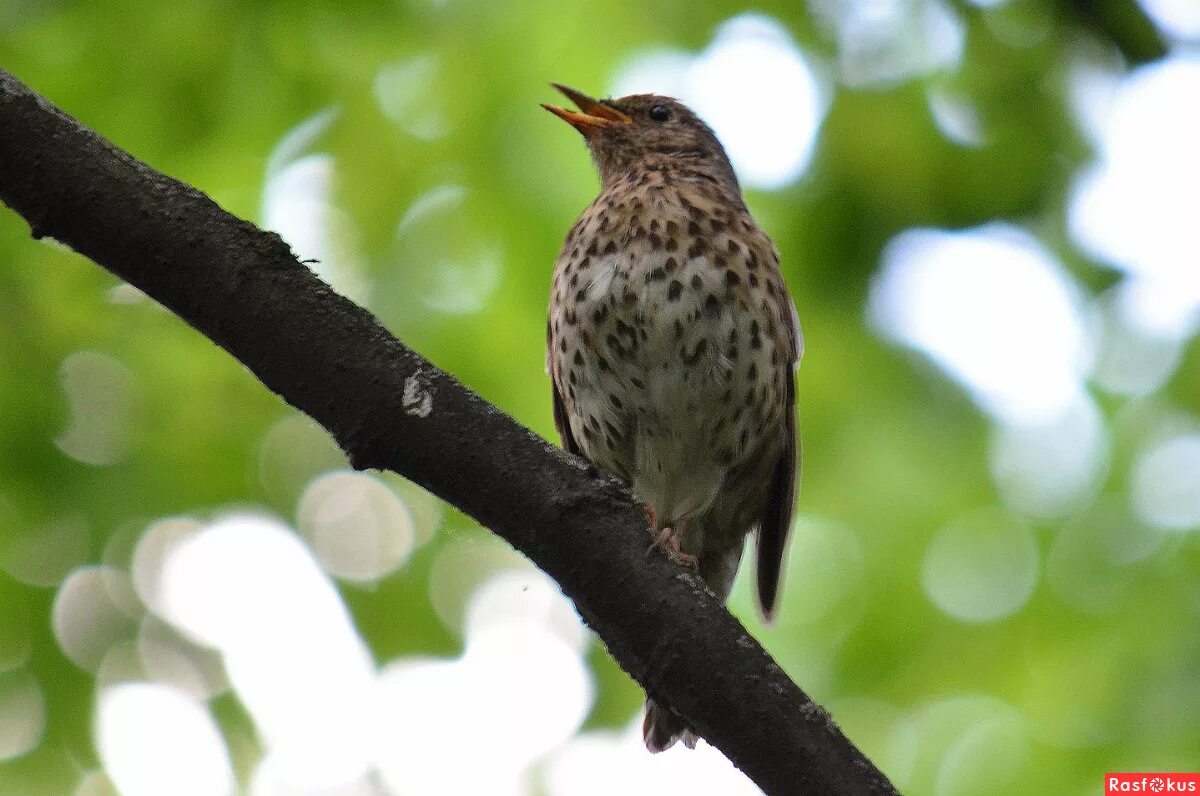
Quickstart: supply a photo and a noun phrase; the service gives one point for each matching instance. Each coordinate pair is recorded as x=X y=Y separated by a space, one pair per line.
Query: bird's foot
x=667 y=540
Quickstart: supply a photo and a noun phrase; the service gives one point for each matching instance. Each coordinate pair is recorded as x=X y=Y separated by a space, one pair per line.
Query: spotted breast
x=673 y=352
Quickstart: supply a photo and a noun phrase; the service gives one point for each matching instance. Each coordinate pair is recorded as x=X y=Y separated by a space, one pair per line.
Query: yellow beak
x=594 y=115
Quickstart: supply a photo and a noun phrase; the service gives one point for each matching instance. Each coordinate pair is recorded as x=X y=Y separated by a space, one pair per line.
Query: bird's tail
x=662 y=728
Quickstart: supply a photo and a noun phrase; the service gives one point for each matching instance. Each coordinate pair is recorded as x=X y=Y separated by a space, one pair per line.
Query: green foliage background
x=205 y=91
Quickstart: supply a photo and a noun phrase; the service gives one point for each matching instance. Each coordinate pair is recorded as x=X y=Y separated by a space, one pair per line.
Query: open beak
x=593 y=114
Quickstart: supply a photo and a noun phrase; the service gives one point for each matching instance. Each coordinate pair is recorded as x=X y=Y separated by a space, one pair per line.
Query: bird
x=672 y=344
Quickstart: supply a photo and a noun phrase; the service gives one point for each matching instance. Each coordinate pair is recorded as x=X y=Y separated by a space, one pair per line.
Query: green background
x=1043 y=699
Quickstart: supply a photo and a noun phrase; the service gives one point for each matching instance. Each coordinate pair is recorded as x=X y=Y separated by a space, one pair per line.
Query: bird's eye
x=660 y=113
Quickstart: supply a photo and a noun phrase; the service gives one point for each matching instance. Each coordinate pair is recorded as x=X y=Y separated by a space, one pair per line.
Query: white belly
x=670 y=379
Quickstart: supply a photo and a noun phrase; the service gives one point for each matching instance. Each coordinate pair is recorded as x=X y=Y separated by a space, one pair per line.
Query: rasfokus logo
x=1144 y=782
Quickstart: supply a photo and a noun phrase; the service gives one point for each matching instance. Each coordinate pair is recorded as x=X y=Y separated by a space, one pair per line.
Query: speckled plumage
x=672 y=344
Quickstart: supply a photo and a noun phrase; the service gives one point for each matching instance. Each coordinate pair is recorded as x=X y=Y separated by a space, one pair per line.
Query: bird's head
x=642 y=130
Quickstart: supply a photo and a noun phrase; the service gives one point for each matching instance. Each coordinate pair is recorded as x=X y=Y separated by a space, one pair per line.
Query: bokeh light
x=46 y=555
x=524 y=597
x=269 y=779
x=981 y=567
x=1166 y=484
x=1179 y=19
x=358 y=528
x=994 y=308
x=1131 y=359
x=1134 y=207
x=248 y=587
x=100 y=391
x=825 y=590
x=955 y=117
x=293 y=451
x=988 y=758
x=22 y=713
x=520 y=687
x=154 y=546
x=456 y=270
x=884 y=42
x=154 y=739
x=1092 y=560
x=1047 y=469
x=602 y=762
x=768 y=125
x=125 y=294
x=824 y=568
x=166 y=656
x=521 y=683
x=407 y=93
x=462 y=565
x=245 y=605
x=969 y=745
x=95 y=783
x=94 y=609
x=298 y=203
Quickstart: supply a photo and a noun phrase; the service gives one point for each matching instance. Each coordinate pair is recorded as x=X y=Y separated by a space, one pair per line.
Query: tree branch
x=391 y=409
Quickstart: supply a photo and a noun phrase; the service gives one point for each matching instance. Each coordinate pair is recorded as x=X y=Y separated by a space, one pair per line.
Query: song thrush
x=671 y=346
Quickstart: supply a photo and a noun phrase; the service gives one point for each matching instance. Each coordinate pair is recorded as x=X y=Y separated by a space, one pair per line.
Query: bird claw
x=668 y=541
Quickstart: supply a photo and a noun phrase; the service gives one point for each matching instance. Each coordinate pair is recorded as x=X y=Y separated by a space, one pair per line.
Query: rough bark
x=389 y=408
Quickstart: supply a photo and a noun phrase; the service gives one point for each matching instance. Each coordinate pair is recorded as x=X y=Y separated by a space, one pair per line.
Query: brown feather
x=562 y=423
x=777 y=518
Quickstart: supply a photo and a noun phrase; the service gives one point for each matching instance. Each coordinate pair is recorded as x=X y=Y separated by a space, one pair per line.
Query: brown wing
x=562 y=424
x=776 y=520
x=560 y=410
